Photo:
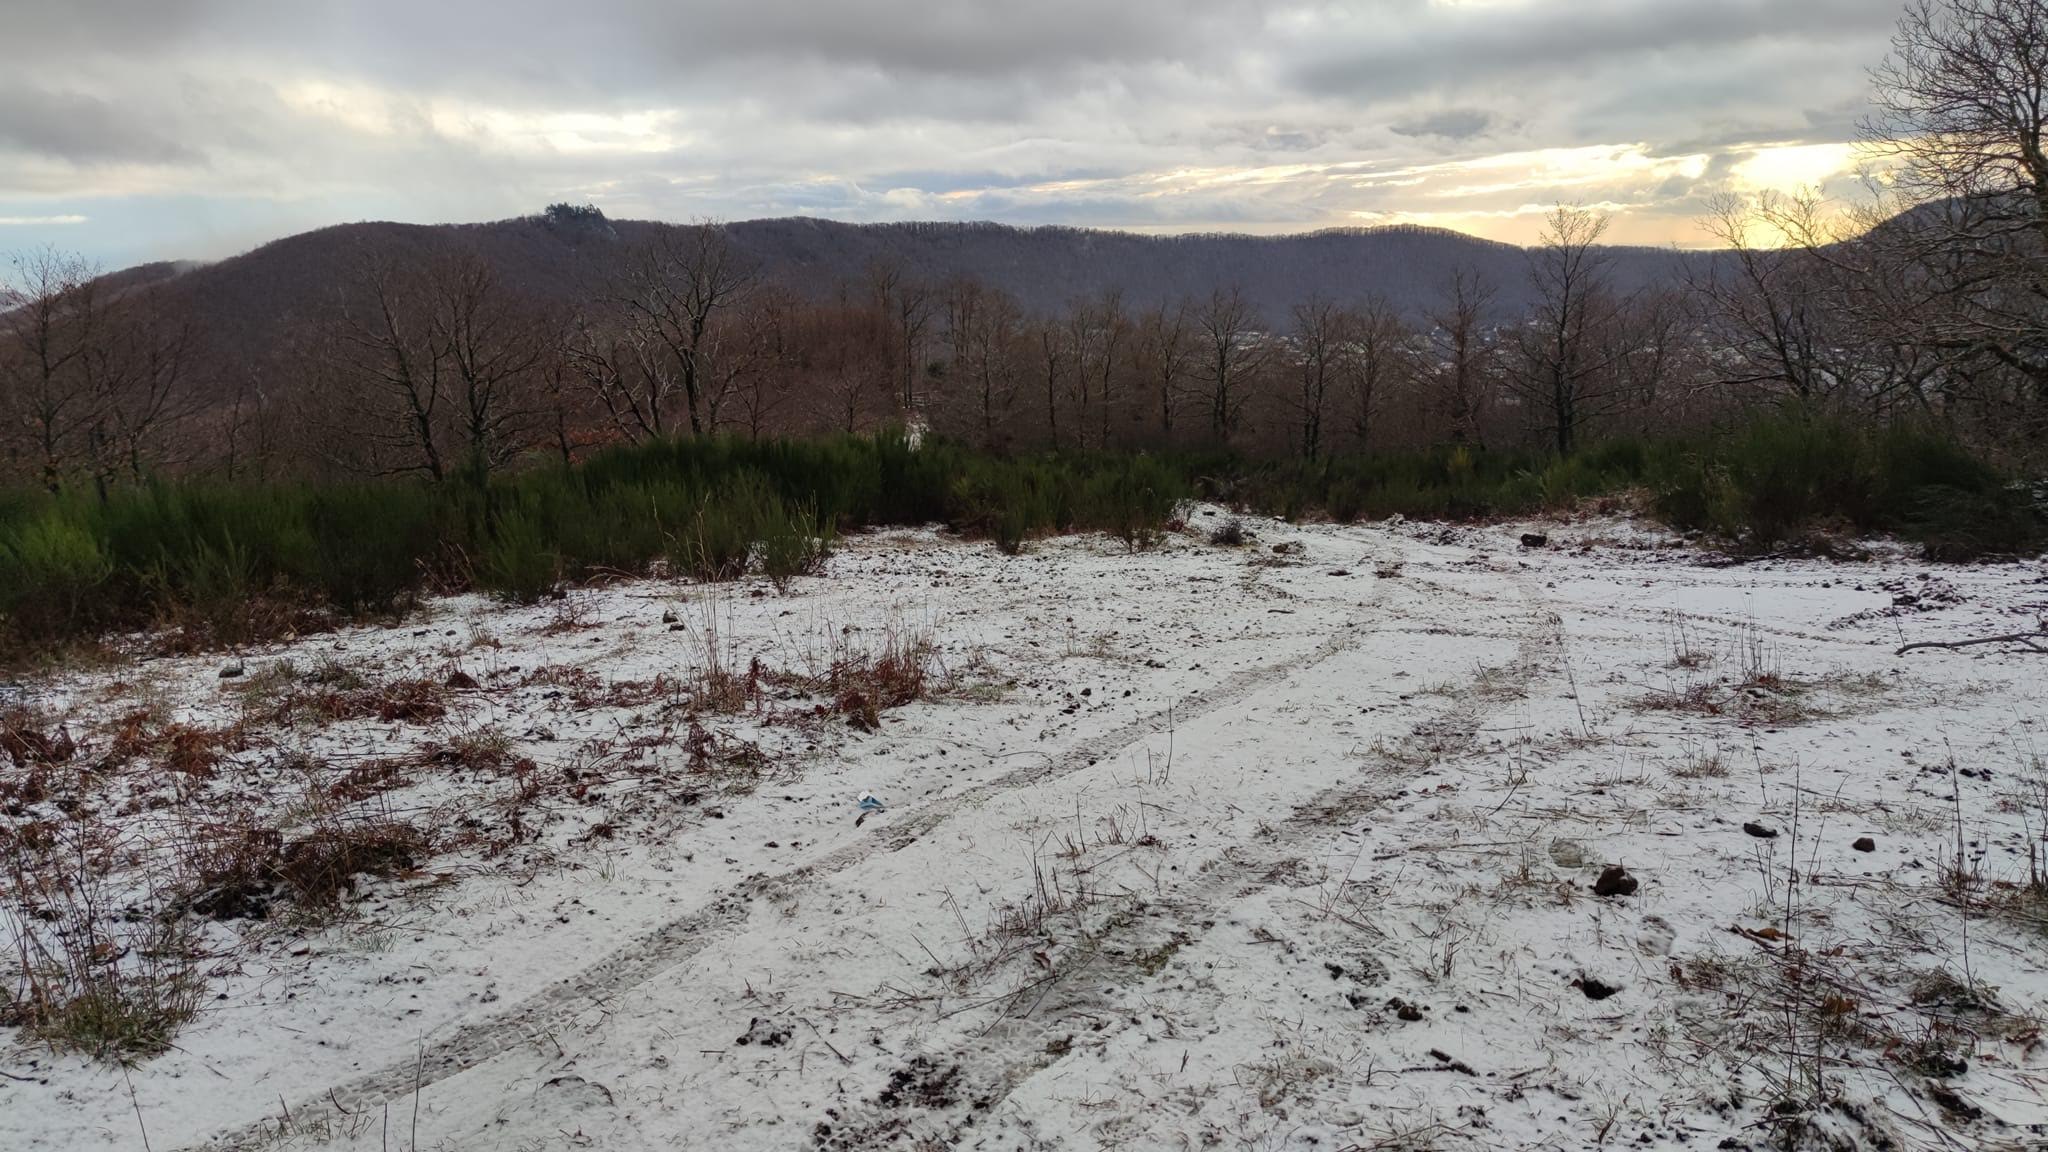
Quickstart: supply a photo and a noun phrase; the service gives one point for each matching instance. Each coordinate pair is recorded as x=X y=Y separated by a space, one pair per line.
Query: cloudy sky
x=147 y=129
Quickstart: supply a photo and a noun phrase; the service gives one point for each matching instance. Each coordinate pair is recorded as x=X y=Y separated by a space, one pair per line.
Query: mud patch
x=908 y=1108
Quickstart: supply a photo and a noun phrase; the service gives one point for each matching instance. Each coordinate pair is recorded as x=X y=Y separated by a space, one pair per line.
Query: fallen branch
x=2031 y=641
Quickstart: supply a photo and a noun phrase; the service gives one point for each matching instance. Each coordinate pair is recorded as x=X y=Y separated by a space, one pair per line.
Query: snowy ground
x=1288 y=846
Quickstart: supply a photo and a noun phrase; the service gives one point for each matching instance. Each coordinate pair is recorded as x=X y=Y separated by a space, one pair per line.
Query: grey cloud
x=1264 y=136
x=82 y=129
x=606 y=46
x=1449 y=124
x=961 y=36
x=1408 y=46
x=92 y=27
x=938 y=181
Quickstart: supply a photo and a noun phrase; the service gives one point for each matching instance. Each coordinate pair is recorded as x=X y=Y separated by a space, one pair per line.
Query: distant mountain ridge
x=257 y=313
x=1044 y=267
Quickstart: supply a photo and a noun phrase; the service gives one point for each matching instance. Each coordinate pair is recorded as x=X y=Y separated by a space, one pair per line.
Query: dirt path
x=718 y=918
x=1021 y=1037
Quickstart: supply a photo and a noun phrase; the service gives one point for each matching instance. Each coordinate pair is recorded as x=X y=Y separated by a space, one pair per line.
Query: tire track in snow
x=679 y=940
x=1443 y=736
x=1711 y=625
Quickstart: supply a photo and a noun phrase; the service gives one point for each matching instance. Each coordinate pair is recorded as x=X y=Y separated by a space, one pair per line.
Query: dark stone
x=1864 y=844
x=766 y=1033
x=1614 y=881
x=1940 y=1065
x=1953 y=1103
x=1596 y=988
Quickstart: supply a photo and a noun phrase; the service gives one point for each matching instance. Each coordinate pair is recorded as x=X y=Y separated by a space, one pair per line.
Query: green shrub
x=1345 y=502
x=207 y=554
x=368 y=545
x=716 y=542
x=52 y=569
x=519 y=562
x=1131 y=499
x=793 y=543
x=1776 y=478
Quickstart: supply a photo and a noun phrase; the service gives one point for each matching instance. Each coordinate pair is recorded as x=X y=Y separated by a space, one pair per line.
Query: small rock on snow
x=1596 y=988
x=1614 y=881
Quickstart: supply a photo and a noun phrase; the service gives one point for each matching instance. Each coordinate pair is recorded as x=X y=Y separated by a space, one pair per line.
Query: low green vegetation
x=221 y=563
x=1774 y=482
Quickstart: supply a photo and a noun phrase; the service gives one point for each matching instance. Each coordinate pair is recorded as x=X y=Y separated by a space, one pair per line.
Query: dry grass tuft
x=719 y=689
x=1700 y=764
x=322 y=867
x=480 y=749
x=240 y=871
x=415 y=700
x=728 y=758
x=1768 y=701
x=187 y=749
x=865 y=683
x=31 y=737
x=111 y=986
x=1229 y=534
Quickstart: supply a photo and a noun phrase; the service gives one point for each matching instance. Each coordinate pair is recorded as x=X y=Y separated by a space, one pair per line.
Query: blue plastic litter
x=869 y=805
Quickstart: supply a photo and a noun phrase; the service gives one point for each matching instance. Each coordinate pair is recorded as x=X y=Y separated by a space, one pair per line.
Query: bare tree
x=1053 y=344
x=1564 y=367
x=1379 y=359
x=1166 y=348
x=757 y=352
x=1111 y=328
x=1654 y=362
x=910 y=305
x=1962 y=112
x=1321 y=338
x=250 y=427
x=851 y=362
x=563 y=405
x=1962 y=103
x=439 y=366
x=50 y=319
x=138 y=368
x=493 y=349
x=669 y=293
x=1767 y=302
x=1232 y=353
x=1465 y=352
x=982 y=333
x=394 y=372
x=621 y=366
